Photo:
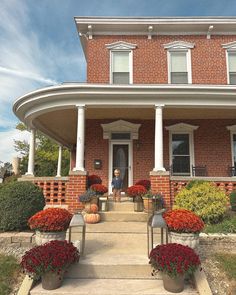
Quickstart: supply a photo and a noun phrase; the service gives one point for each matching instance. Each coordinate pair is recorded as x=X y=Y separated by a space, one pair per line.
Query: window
x=181 y=149
x=179 y=62
x=231 y=61
x=178 y=68
x=232 y=67
x=180 y=154
x=121 y=62
x=234 y=149
x=120 y=67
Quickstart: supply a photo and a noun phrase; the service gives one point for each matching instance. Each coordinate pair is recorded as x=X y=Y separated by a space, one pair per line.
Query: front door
x=120 y=160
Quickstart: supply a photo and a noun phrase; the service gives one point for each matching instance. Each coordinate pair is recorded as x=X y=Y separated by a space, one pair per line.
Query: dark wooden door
x=121 y=162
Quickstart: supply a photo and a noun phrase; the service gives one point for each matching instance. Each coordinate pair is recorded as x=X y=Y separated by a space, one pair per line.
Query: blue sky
x=39 y=45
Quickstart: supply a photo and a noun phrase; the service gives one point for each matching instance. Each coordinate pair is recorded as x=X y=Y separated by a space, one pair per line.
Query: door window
x=121 y=162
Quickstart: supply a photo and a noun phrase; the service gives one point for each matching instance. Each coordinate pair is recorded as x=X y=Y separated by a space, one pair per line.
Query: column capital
x=80 y=106
x=159 y=106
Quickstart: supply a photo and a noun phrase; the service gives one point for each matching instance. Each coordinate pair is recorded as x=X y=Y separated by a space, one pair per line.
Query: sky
x=39 y=45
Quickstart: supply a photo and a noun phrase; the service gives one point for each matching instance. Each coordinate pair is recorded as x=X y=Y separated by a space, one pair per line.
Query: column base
x=29 y=174
x=159 y=169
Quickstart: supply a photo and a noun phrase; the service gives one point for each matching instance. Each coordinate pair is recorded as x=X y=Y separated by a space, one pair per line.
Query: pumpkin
x=93 y=208
x=92 y=218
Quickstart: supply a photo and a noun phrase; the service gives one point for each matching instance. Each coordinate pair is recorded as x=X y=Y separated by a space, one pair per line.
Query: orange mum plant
x=50 y=220
x=183 y=221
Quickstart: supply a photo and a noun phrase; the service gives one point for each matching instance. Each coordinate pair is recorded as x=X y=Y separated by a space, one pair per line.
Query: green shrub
x=18 y=202
x=194 y=182
x=232 y=198
x=206 y=200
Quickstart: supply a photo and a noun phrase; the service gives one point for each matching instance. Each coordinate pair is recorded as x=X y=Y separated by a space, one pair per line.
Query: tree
x=5 y=170
x=46 y=155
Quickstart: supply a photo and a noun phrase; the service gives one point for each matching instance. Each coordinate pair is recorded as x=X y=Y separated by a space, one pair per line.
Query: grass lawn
x=228 y=225
x=227 y=264
x=9 y=272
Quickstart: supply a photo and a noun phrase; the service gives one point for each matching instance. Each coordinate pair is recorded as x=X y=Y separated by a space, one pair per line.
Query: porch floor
x=115 y=260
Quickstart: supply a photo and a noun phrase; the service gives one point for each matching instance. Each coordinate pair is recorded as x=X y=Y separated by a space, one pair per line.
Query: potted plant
x=152 y=202
x=99 y=189
x=89 y=197
x=50 y=224
x=136 y=192
x=232 y=198
x=175 y=262
x=94 y=179
x=49 y=261
x=144 y=182
x=184 y=227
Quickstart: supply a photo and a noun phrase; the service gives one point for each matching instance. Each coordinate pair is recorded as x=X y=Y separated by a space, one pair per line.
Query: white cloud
x=7 y=151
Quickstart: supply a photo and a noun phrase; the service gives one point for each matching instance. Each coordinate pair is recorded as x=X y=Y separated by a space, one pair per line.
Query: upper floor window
x=232 y=67
x=121 y=62
x=179 y=62
x=231 y=62
x=120 y=67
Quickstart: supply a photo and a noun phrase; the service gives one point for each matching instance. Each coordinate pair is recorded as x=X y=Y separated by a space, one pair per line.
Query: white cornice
x=231 y=128
x=121 y=45
x=179 y=45
x=182 y=127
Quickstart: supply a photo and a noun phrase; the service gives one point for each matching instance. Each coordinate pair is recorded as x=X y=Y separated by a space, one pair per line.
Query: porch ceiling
x=61 y=125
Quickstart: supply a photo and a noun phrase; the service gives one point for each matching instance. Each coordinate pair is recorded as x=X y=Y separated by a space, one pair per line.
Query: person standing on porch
x=117 y=184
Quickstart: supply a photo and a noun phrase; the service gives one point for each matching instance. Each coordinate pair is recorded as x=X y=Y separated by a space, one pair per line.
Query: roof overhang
x=92 y=26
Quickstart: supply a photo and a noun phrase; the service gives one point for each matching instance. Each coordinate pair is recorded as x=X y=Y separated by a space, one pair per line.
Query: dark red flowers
x=144 y=182
x=174 y=259
x=51 y=219
x=54 y=256
x=94 y=179
x=136 y=190
x=183 y=221
x=99 y=189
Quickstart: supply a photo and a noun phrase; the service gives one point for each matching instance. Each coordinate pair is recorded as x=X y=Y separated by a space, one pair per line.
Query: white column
x=30 y=171
x=79 y=164
x=59 y=161
x=158 y=152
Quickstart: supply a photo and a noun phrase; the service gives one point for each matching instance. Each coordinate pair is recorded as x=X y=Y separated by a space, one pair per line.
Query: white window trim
x=179 y=46
x=230 y=47
x=232 y=130
x=130 y=65
x=183 y=128
x=125 y=47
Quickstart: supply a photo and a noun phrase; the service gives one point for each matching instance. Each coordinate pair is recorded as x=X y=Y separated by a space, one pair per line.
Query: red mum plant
x=183 y=221
x=174 y=259
x=51 y=219
x=136 y=191
x=55 y=256
x=99 y=189
x=94 y=179
x=144 y=182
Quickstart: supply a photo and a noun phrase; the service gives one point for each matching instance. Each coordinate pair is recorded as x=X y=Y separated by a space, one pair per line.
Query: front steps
x=116 y=258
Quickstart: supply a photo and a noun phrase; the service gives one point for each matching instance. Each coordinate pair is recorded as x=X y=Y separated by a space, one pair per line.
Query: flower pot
x=148 y=205
x=173 y=284
x=187 y=239
x=52 y=280
x=138 y=204
x=94 y=200
x=45 y=237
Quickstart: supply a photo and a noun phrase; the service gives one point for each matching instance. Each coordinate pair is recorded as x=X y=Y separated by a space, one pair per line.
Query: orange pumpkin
x=92 y=218
x=93 y=208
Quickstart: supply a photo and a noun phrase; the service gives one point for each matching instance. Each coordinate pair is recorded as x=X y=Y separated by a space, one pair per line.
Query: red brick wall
x=211 y=144
x=150 y=58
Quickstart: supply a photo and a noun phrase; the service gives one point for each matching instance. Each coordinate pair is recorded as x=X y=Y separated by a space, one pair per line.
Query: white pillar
x=30 y=171
x=79 y=164
x=158 y=152
x=59 y=161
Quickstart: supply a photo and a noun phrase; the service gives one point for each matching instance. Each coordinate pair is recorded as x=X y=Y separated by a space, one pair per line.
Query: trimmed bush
x=206 y=200
x=18 y=202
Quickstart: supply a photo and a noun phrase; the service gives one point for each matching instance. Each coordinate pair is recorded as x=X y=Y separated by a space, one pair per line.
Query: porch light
x=156 y=221
x=103 y=203
x=78 y=221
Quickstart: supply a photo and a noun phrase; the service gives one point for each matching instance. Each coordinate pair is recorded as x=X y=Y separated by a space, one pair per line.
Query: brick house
x=159 y=102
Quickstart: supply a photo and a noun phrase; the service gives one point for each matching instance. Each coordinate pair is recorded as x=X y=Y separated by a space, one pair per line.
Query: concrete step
x=109 y=287
x=122 y=206
x=112 y=267
x=124 y=216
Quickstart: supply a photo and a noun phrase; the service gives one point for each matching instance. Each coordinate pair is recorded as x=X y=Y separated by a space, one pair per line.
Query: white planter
x=45 y=237
x=187 y=239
